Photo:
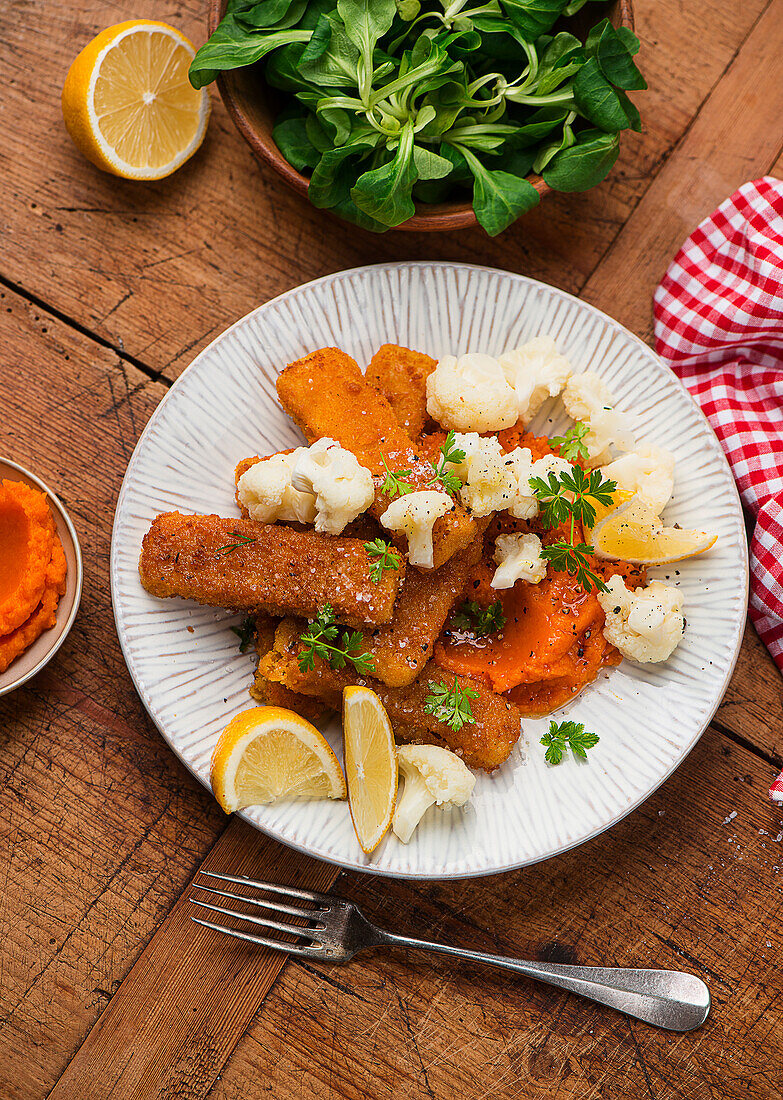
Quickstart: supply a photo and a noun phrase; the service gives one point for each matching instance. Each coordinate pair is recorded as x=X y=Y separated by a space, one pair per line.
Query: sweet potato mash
x=32 y=569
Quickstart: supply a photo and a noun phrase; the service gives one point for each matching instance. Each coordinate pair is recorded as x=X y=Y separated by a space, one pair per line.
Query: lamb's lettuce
x=389 y=103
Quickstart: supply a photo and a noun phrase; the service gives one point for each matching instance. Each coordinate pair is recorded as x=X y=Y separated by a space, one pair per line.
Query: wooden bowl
x=252 y=110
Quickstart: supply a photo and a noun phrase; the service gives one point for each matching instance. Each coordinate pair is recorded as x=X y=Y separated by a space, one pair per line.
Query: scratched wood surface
x=108 y=290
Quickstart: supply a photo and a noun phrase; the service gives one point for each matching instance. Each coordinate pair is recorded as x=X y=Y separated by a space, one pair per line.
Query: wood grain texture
x=690 y=881
x=222 y=234
x=103 y=829
x=162 y=1038
x=734 y=137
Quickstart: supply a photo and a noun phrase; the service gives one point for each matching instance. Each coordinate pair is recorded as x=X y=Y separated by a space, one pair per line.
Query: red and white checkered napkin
x=719 y=325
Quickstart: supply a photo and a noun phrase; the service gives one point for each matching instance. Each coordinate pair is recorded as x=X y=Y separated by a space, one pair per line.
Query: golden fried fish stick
x=268 y=692
x=249 y=566
x=402 y=649
x=401 y=375
x=485 y=743
x=326 y=394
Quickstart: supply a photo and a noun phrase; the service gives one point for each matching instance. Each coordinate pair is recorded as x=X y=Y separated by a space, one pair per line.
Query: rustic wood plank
x=180 y=1012
x=735 y=137
x=689 y=881
x=104 y=829
x=753 y=705
x=101 y=827
x=222 y=235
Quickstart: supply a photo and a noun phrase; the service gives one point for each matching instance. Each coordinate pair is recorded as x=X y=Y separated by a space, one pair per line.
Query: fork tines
x=302 y=931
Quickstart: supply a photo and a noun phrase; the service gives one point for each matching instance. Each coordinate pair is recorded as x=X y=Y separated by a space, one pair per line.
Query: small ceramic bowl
x=253 y=108
x=45 y=647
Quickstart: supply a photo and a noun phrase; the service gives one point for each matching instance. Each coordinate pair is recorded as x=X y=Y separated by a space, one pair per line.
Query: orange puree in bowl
x=32 y=568
x=45 y=614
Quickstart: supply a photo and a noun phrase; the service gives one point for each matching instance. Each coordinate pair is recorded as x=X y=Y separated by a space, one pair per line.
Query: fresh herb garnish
x=393 y=484
x=246 y=632
x=450 y=705
x=569 y=496
x=479 y=620
x=230 y=547
x=334 y=643
x=574 y=734
x=449 y=452
x=386 y=557
x=390 y=103
x=571 y=444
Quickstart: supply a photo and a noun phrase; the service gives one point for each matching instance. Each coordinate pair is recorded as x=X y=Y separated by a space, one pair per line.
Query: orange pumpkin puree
x=26 y=538
x=32 y=569
x=45 y=614
x=552 y=644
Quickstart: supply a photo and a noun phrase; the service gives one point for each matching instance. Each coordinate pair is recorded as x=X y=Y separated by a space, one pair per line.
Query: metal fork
x=337 y=929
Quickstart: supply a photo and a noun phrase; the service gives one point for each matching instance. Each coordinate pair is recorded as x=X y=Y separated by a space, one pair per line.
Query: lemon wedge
x=267 y=754
x=621 y=496
x=128 y=104
x=631 y=531
x=370 y=765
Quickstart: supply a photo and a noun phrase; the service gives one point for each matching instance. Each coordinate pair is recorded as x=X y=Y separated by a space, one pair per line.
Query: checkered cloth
x=719 y=325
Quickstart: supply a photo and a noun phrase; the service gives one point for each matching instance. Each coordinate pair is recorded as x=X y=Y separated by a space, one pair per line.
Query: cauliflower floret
x=646 y=625
x=524 y=504
x=487 y=482
x=648 y=471
x=415 y=514
x=342 y=488
x=265 y=490
x=518 y=558
x=588 y=398
x=471 y=394
x=433 y=776
x=536 y=371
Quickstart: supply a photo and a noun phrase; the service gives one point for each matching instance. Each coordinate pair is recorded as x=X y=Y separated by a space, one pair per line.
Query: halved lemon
x=267 y=754
x=632 y=532
x=128 y=104
x=370 y=765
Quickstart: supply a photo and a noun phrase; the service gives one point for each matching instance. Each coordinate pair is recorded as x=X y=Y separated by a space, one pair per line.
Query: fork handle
x=666 y=998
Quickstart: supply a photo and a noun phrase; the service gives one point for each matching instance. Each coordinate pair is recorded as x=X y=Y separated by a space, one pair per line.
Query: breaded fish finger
x=269 y=692
x=249 y=566
x=401 y=375
x=326 y=394
x=485 y=743
x=402 y=649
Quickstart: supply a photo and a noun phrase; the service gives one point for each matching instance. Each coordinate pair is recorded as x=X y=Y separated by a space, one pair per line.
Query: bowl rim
x=440 y=216
x=55 y=502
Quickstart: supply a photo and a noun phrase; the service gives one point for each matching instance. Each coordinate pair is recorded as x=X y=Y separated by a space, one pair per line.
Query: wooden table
x=108 y=291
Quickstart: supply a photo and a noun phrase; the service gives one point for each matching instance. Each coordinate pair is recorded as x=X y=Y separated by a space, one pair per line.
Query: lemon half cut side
x=269 y=754
x=128 y=104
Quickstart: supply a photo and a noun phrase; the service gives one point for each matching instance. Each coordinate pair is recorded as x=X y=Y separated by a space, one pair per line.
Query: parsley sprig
x=572 y=734
x=479 y=620
x=334 y=643
x=230 y=547
x=570 y=495
x=448 y=453
x=386 y=557
x=394 y=484
x=571 y=444
x=450 y=705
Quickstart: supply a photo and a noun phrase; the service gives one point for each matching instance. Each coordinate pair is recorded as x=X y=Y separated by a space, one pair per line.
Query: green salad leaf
x=388 y=103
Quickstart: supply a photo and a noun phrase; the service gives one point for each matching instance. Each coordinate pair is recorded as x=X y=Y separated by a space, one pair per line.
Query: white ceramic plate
x=184 y=658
